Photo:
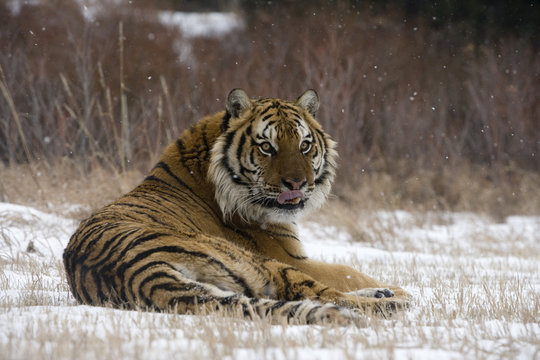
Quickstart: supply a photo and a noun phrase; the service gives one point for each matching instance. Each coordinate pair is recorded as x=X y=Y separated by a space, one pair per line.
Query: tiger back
x=212 y=225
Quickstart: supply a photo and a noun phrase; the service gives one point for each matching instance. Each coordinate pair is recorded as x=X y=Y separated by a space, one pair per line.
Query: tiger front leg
x=348 y=280
x=292 y=284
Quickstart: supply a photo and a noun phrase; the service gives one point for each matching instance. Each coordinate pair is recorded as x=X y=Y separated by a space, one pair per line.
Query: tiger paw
x=380 y=301
x=373 y=293
x=388 y=306
x=337 y=315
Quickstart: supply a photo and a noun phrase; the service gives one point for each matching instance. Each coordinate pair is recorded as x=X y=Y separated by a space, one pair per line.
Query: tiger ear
x=237 y=102
x=309 y=100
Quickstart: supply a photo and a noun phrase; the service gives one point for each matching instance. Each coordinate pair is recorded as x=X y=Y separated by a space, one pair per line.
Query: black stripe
x=322 y=291
x=153 y=201
x=241 y=143
x=252 y=152
x=225 y=121
x=228 y=142
x=123 y=267
x=168 y=286
x=176 y=249
x=322 y=178
x=82 y=280
x=253 y=301
x=277 y=305
x=98 y=280
x=181 y=151
x=89 y=229
x=293 y=310
x=296 y=257
x=282 y=234
x=268 y=108
x=168 y=170
x=180 y=145
x=225 y=159
x=146 y=211
x=77 y=255
x=287 y=289
x=287 y=107
x=266 y=117
x=310 y=314
x=229 y=300
x=112 y=240
x=190 y=300
x=205 y=142
x=307 y=283
x=146 y=267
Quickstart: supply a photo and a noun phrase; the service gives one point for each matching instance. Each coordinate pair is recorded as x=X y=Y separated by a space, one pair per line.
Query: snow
x=190 y=24
x=21 y=225
x=475 y=285
x=202 y=24
x=15 y=5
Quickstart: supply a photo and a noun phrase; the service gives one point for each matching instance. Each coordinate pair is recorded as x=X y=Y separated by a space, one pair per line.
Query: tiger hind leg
x=171 y=291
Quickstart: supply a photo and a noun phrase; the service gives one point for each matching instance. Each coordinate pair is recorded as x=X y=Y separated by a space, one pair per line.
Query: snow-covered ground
x=476 y=288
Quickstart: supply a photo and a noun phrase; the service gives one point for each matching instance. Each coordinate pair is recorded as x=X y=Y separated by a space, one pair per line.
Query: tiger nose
x=294 y=184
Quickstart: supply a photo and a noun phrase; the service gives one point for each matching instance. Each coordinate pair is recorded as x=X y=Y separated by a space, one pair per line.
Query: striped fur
x=211 y=227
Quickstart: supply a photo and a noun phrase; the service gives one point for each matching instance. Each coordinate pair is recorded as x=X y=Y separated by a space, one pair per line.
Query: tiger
x=213 y=226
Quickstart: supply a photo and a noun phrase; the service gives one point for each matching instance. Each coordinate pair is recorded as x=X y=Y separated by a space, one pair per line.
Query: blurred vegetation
x=480 y=20
x=407 y=87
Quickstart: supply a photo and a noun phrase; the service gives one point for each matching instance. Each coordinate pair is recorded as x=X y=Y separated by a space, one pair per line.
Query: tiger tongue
x=290 y=197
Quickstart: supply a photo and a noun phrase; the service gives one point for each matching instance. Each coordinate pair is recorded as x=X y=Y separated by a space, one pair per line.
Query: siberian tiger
x=212 y=227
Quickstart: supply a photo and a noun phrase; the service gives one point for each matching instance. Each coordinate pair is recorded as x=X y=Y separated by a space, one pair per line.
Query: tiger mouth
x=292 y=197
x=287 y=200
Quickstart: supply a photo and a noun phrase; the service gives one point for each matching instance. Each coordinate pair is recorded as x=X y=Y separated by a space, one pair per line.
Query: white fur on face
x=235 y=190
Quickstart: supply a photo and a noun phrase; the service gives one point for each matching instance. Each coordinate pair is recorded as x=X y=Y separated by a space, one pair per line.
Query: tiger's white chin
x=283 y=217
x=255 y=213
x=231 y=198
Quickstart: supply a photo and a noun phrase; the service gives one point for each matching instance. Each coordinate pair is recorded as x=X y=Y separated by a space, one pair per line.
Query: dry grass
x=462 y=188
x=469 y=189
x=63 y=185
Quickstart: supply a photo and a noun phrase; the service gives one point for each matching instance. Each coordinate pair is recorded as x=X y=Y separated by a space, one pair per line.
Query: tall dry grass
x=431 y=110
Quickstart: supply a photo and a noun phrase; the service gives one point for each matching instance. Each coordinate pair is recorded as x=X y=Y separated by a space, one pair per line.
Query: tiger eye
x=305 y=146
x=266 y=148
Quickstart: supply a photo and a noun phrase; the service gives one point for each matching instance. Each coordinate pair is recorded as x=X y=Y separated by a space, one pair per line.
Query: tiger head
x=273 y=161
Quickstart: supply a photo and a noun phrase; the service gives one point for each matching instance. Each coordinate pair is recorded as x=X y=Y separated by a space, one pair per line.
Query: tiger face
x=273 y=160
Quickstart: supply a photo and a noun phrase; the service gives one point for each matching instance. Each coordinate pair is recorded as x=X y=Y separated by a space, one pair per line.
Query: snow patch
x=212 y=24
x=26 y=230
